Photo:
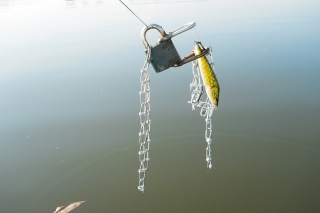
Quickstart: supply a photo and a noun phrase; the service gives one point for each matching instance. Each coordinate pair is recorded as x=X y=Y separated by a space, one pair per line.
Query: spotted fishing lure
x=208 y=76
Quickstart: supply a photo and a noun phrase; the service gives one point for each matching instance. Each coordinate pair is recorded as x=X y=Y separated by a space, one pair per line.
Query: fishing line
x=197 y=15
x=197 y=34
x=133 y=13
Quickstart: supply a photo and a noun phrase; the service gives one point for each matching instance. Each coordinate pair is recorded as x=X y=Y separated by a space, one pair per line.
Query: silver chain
x=206 y=109
x=145 y=122
x=208 y=137
x=196 y=86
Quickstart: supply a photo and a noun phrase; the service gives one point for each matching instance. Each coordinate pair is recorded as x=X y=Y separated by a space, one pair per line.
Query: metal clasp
x=164 y=55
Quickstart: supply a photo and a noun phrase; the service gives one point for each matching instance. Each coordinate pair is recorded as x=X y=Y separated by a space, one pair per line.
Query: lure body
x=208 y=77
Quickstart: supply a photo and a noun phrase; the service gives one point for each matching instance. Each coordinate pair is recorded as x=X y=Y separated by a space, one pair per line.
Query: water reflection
x=75 y=3
x=160 y=1
x=71 y=3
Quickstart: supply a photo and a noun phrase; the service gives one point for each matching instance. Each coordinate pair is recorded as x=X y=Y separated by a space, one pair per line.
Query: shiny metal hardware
x=145 y=122
x=206 y=108
x=164 y=54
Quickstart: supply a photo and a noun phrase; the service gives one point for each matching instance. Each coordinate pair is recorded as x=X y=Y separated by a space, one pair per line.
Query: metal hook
x=165 y=37
x=178 y=31
x=146 y=28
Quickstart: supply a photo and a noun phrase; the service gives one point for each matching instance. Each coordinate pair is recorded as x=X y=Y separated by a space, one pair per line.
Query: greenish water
x=69 y=82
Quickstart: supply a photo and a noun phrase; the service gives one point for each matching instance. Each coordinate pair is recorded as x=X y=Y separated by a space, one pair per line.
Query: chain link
x=196 y=86
x=208 y=138
x=206 y=108
x=145 y=123
x=196 y=90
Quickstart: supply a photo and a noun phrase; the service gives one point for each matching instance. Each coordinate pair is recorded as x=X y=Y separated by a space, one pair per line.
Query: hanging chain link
x=206 y=108
x=196 y=90
x=208 y=137
x=145 y=122
x=196 y=86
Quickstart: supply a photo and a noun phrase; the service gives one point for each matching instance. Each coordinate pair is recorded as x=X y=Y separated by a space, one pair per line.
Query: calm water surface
x=69 y=82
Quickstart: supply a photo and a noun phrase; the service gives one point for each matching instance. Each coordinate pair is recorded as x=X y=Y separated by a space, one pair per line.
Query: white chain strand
x=196 y=87
x=209 y=124
x=145 y=123
x=206 y=108
x=208 y=138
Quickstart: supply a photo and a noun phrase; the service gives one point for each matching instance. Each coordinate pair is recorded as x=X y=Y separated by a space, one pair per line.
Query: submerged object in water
x=65 y=209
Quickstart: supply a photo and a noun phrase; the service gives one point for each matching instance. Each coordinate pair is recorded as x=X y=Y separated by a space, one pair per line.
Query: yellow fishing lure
x=208 y=76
